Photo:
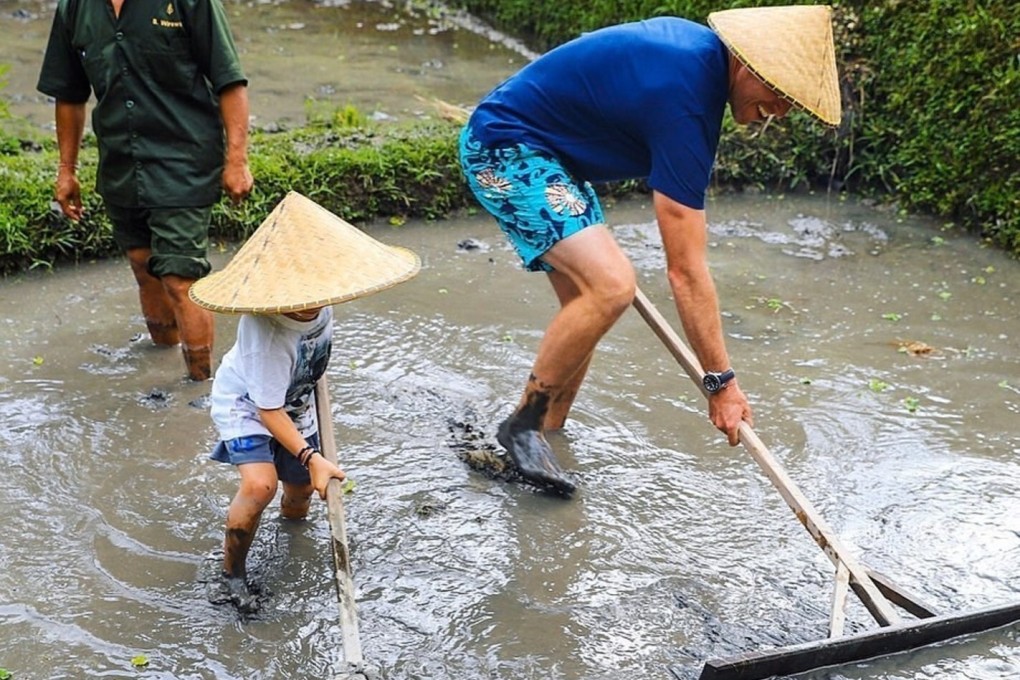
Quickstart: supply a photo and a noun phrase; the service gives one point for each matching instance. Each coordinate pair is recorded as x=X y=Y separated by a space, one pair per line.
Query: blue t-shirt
x=637 y=100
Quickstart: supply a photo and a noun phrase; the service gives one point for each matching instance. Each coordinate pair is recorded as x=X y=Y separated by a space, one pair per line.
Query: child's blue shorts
x=535 y=200
x=260 y=448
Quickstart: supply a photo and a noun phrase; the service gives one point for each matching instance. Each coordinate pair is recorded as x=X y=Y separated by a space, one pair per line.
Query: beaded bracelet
x=305 y=454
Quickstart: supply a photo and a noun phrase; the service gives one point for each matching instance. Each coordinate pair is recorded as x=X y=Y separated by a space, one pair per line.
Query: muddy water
x=675 y=549
x=307 y=58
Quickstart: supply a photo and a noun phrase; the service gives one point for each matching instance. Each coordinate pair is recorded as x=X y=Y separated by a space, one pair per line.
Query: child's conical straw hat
x=303 y=257
x=791 y=49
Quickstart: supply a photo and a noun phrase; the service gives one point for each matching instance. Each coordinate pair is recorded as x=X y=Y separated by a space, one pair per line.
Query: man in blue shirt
x=638 y=100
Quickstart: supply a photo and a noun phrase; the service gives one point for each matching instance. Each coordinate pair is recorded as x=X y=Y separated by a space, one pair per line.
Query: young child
x=298 y=263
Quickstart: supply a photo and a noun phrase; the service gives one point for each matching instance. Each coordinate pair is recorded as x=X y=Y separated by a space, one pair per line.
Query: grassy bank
x=356 y=169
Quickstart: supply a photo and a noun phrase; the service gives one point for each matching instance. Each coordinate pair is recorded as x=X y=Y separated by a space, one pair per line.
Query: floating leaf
x=892 y=316
x=140 y=661
x=876 y=385
x=5 y=674
x=805 y=381
x=348 y=486
x=912 y=403
x=915 y=347
x=37 y=360
x=443 y=291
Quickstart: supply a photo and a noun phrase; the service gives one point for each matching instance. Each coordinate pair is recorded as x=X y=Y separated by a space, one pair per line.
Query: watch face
x=712 y=383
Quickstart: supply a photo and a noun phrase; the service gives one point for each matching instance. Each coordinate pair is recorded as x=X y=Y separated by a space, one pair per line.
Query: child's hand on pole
x=321 y=471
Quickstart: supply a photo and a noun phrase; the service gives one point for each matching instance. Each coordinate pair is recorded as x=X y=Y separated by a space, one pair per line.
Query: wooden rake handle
x=860 y=580
x=338 y=530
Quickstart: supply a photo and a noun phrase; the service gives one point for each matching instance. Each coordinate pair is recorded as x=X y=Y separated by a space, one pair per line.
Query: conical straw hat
x=302 y=257
x=791 y=49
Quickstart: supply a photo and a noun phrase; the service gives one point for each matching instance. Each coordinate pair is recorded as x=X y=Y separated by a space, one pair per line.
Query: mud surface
x=674 y=548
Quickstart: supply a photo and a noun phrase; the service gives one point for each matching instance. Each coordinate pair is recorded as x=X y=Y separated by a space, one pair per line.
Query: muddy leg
x=257 y=489
x=559 y=407
x=521 y=435
x=595 y=284
x=196 y=327
x=296 y=500
x=156 y=307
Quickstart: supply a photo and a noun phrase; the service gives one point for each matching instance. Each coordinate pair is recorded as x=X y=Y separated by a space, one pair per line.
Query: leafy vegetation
x=942 y=129
x=8 y=144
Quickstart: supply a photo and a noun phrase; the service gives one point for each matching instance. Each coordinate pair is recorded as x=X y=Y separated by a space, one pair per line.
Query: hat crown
x=302 y=256
x=791 y=49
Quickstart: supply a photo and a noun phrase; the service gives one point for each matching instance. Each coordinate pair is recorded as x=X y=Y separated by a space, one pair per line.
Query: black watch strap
x=714 y=382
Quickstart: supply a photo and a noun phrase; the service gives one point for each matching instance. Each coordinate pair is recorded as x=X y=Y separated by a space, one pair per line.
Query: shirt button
x=129 y=103
x=124 y=70
x=119 y=35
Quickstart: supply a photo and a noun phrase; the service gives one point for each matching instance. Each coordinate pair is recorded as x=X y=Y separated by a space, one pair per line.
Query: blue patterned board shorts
x=536 y=202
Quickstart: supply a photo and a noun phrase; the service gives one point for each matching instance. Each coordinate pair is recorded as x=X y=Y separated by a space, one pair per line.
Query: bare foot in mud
x=227 y=589
x=531 y=454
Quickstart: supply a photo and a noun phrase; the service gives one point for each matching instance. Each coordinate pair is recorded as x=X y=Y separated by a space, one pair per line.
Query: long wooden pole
x=860 y=580
x=338 y=530
x=872 y=588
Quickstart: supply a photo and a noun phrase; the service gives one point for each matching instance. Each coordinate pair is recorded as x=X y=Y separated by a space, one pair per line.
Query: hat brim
x=203 y=293
x=303 y=257
x=790 y=49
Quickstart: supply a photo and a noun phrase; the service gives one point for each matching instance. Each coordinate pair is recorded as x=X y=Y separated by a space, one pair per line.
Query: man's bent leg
x=603 y=285
x=196 y=327
x=560 y=406
x=156 y=308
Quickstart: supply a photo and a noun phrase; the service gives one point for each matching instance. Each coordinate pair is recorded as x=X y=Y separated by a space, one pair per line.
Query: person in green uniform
x=171 y=120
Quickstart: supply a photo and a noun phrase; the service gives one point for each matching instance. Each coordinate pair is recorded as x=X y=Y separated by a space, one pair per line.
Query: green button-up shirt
x=156 y=71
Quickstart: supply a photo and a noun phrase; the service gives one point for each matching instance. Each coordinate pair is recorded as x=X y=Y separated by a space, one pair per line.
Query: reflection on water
x=676 y=547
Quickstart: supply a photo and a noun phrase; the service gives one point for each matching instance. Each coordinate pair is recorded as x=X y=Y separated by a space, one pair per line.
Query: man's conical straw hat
x=301 y=257
x=791 y=49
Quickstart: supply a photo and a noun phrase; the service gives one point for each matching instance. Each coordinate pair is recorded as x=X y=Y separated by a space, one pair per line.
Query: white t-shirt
x=274 y=363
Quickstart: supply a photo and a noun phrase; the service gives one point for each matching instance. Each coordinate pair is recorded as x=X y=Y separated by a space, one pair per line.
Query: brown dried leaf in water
x=915 y=347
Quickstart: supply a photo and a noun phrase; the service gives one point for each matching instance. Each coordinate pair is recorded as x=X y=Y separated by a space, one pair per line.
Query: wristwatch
x=714 y=382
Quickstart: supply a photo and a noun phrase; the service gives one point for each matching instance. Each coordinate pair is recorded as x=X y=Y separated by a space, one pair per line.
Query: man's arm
x=237 y=179
x=685 y=239
x=70 y=120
